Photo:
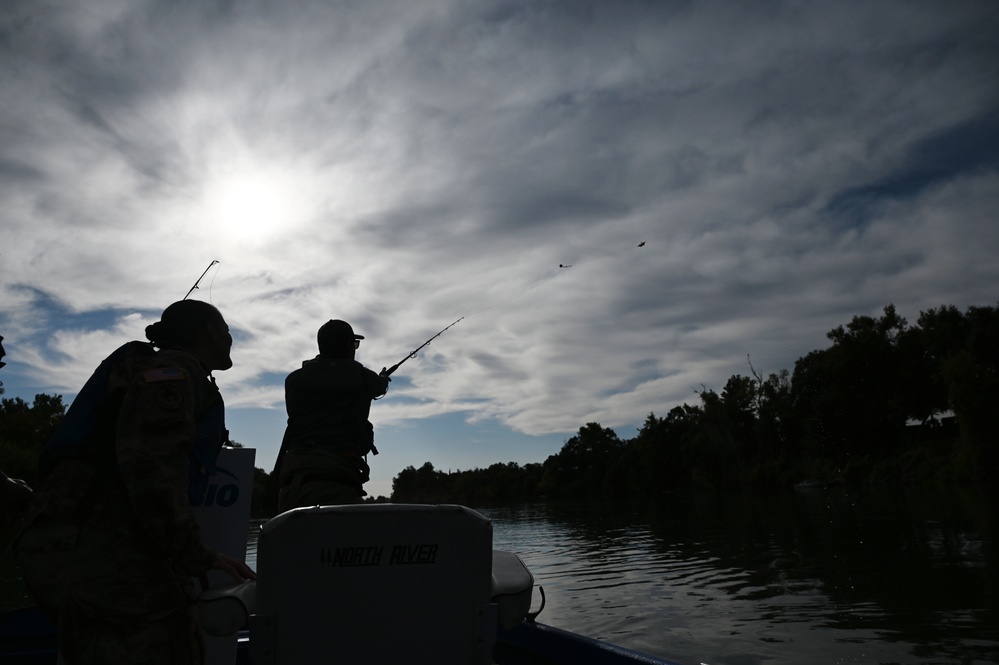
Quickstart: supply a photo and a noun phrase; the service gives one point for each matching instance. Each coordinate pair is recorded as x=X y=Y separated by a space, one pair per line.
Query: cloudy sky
x=402 y=164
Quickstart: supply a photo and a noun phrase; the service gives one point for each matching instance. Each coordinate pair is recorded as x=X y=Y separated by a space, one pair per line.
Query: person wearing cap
x=323 y=456
x=110 y=544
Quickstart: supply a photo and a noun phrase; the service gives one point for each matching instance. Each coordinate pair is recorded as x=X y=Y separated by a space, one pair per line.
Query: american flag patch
x=163 y=374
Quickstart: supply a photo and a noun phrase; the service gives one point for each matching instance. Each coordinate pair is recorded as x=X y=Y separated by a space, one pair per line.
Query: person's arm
x=376 y=384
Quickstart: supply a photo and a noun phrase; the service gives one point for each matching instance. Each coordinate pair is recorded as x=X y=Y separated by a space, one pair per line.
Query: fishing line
x=547 y=277
x=552 y=274
x=214 y=261
x=212 y=283
x=602 y=256
x=543 y=280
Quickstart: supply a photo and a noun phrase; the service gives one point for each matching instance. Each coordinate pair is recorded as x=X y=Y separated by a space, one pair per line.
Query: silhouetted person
x=323 y=457
x=110 y=543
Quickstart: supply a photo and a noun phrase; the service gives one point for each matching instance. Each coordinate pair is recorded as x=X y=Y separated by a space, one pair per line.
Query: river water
x=820 y=576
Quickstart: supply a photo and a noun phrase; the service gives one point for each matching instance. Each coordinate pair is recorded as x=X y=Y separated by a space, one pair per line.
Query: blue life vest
x=86 y=411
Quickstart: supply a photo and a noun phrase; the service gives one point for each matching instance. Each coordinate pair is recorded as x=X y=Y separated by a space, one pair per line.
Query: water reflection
x=834 y=575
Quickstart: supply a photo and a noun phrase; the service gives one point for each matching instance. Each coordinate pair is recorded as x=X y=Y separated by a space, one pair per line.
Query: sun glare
x=251 y=208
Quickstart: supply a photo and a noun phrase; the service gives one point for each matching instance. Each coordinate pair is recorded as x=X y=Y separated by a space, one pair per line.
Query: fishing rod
x=387 y=372
x=214 y=261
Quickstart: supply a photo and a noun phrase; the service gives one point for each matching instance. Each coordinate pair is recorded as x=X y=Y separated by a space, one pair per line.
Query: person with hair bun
x=110 y=544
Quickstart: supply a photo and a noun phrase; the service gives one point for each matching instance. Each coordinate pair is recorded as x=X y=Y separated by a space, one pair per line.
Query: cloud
x=402 y=164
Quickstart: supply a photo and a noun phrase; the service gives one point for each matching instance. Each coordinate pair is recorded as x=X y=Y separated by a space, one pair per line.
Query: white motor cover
x=374 y=583
x=512 y=587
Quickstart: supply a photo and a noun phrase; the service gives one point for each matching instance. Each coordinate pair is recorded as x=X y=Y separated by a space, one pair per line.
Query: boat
x=371 y=583
x=28 y=638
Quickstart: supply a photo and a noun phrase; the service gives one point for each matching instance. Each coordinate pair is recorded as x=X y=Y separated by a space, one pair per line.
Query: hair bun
x=154 y=331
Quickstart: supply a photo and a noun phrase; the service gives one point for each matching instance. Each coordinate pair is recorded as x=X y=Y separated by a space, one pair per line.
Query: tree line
x=885 y=401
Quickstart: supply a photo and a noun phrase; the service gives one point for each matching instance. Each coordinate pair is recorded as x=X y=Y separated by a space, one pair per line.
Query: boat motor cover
x=512 y=587
x=374 y=583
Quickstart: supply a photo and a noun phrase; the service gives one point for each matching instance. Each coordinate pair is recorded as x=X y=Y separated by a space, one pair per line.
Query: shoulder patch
x=163 y=374
x=169 y=396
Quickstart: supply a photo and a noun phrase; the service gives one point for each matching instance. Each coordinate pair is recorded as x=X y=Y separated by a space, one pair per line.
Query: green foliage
x=500 y=483
x=24 y=429
x=969 y=364
x=845 y=413
x=855 y=397
x=264 y=502
x=580 y=466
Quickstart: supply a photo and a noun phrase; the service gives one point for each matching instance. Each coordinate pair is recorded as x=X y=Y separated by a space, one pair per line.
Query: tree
x=657 y=458
x=264 y=502
x=424 y=484
x=966 y=351
x=779 y=432
x=578 y=468
x=24 y=429
x=852 y=395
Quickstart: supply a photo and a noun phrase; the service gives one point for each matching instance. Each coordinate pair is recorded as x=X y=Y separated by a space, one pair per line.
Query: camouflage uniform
x=110 y=542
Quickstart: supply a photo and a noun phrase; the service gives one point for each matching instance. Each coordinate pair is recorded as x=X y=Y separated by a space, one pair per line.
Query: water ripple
x=823 y=587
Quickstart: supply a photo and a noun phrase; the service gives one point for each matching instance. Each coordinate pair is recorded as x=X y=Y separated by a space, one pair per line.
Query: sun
x=252 y=207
